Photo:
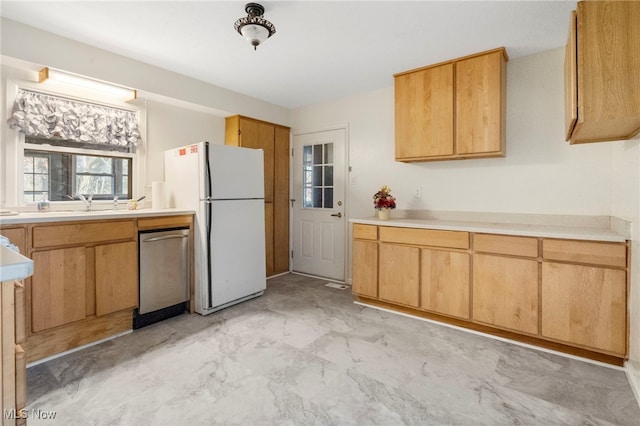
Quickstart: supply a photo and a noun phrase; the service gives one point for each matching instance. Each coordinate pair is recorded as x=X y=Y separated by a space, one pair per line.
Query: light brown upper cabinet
x=452 y=110
x=274 y=140
x=602 y=72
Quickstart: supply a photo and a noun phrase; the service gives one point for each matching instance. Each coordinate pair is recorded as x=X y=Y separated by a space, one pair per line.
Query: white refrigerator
x=224 y=185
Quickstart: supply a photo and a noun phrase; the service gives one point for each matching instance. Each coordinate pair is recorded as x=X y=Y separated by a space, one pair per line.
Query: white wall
x=169 y=126
x=540 y=174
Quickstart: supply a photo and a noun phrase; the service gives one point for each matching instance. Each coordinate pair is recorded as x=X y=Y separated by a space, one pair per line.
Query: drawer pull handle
x=165 y=237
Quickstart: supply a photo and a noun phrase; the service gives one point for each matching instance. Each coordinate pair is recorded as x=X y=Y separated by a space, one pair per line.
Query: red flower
x=383 y=199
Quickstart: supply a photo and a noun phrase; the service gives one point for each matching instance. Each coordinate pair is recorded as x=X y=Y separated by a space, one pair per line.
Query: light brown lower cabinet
x=116 y=277
x=585 y=305
x=568 y=295
x=505 y=292
x=364 y=277
x=58 y=287
x=445 y=282
x=399 y=274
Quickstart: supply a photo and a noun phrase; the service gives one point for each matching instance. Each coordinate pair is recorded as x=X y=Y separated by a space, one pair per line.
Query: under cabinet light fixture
x=86 y=83
x=254 y=27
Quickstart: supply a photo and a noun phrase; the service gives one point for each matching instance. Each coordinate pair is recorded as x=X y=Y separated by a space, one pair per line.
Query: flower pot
x=384 y=214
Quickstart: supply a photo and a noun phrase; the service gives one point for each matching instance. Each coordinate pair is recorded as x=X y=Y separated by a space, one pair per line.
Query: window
x=36 y=175
x=63 y=173
x=317 y=176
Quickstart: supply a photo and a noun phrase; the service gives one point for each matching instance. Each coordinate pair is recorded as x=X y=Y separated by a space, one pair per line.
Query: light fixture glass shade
x=255 y=34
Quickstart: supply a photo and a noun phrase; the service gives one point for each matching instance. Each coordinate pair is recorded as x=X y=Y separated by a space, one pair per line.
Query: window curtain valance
x=41 y=115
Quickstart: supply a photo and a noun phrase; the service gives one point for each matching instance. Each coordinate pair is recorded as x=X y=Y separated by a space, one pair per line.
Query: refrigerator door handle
x=207 y=196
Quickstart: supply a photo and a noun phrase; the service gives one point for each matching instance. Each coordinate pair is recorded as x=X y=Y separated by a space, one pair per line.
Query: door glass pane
x=317 y=176
x=307 y=155
x=328 y=153
x=317 y=154
x=317 y=197
x=328 y=198
x=328 y=176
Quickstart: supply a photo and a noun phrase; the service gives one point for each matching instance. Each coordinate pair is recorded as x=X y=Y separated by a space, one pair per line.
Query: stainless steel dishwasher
x=164 y=275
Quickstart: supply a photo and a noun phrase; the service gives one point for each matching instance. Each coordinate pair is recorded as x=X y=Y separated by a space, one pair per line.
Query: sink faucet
x=86 y=201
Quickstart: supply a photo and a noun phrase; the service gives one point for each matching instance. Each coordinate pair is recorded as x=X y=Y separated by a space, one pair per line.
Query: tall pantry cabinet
x=274 y=140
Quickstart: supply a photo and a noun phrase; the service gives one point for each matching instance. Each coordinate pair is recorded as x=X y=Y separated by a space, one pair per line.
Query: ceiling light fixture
x=89 y=84
x=254 y=27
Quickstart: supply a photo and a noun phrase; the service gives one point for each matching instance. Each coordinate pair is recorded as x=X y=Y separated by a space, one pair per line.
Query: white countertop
x=13 y=265
x=551 y=226
x=65 y=216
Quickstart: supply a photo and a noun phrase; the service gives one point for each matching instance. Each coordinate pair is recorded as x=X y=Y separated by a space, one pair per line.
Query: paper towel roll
x=157 y=195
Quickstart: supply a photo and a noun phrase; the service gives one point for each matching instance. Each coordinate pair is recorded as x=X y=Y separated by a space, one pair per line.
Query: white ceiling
x=322 y=50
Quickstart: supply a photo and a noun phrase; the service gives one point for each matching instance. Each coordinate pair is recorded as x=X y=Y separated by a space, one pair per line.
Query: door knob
x=339 y=214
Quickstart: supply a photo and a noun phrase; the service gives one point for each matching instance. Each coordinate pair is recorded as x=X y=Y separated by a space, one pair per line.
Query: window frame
x=84 y=152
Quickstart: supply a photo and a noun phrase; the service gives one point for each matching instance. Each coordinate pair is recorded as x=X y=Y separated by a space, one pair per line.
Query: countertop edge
x=13 y=265
x=48 y=217
x=527 y=230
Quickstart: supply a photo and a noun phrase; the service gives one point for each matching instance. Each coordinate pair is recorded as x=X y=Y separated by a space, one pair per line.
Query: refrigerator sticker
x=193 y=149
x=182 y=151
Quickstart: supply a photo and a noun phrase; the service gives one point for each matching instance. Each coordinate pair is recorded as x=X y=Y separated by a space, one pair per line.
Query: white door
x=318 y=216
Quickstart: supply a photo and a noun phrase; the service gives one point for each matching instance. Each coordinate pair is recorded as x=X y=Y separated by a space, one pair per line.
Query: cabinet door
x=268 y=238
x=58 y=290
x=608 y=70
x=281 y=250
x=399 y=269
x=116 y=267
x=585 y=305
x=479 y=104
x=424 y=113
x=259 y=135
x=365 y=268
x=445 y=282
x=505 y=292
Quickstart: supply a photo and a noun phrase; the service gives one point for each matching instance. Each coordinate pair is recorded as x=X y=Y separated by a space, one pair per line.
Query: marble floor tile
x=305 y=354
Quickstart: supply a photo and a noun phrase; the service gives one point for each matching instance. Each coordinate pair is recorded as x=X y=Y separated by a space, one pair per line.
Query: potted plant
x=384 y=202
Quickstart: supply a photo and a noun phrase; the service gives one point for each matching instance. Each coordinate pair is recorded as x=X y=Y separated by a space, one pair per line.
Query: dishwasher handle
x=164 y=237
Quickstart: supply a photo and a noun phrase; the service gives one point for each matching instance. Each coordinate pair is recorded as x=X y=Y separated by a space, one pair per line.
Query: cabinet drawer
x=503 y=244
x=83 y=233
x=165 y=222
x=365 y=232
x=425 y=237
x=606 y=254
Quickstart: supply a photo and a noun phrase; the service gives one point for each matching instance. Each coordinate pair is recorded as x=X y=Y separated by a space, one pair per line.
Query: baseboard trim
x=633 y=376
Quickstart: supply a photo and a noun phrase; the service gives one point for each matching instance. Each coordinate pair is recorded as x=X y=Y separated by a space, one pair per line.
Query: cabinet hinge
x=239 y=132
x=292 y=254
x=292 y=152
